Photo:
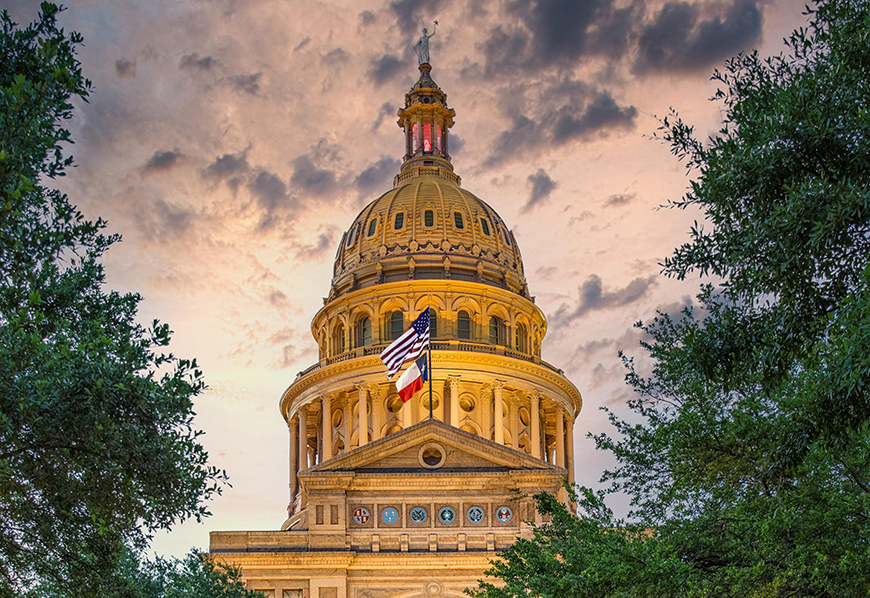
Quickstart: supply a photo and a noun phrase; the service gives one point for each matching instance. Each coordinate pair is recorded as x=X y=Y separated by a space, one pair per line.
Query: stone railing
x=421 y=170
x=445 y=345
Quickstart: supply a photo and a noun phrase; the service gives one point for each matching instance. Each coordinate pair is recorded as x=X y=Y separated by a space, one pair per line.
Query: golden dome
x=428 y=227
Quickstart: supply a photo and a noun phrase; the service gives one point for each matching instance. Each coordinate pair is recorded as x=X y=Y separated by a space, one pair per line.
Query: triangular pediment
x=404 y=450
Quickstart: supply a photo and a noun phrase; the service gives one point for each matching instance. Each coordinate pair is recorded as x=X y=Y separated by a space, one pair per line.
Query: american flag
x=407 y=347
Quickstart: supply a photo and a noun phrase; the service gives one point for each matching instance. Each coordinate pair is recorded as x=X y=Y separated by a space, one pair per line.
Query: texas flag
x=413 y=378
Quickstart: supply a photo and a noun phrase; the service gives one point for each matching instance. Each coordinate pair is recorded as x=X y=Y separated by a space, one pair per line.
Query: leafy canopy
x=749 y=473
x=97 y=443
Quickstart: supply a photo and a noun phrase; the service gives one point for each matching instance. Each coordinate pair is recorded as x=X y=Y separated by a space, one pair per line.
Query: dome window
x=463 y=325
x=338 y=346
x=350 y=237
x=397 y=324
x=428 y=218
x=506 y=238
x=373 y=226
x=457 y=220
x=497 y=331
x=364 y=332
x=484 y=226
x=522 y=339
x=399 y=222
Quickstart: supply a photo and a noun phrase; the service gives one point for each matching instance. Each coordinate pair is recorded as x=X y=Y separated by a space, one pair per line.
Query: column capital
x=453 y=381
x=560 y=408
x=374 y=389
x=536 y=394
x=498 y=385
x=361 y=386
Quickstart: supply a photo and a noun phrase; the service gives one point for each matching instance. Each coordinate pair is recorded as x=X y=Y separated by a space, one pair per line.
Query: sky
x=231 y=143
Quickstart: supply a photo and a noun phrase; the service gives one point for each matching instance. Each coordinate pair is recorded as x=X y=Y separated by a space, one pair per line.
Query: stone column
x=486 y=424
x=326 y=428
x=560 y=435
x=303 y=438
x=453 y=381
x=347 y=421
x=570 y=463
x=535 y=409
x=515 y=422
x=363 y=414
x=377 y=411
x=294 y=460
x=497 y=388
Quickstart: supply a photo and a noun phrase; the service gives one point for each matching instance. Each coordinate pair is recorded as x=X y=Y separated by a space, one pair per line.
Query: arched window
x=400 y=221
x=522 y=340
x=457 y=220
x=373 y=226
x=364 y=332
x=338 y=345
x=463 y=325
x=350 y=236
x=428 y=218
x=506 y=238
x=497 y=331
x=433 y=323
x=397 y=324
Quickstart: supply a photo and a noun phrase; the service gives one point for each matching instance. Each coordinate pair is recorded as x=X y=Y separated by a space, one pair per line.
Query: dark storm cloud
x=567 y=111
x=310 y=179
x=594 y=297
x=384 y=111
x=680 y=38
x=383 y=69
x=596 y=118
x=125 y=69
x=455 y=144
x=193 y=62
x=228 y=166
x=619 y=199
x=247 y=83
x=539 y=34
x=542 y=185
x=377 y=176
x=161 y=161
x=413 y=15
x=367 y=17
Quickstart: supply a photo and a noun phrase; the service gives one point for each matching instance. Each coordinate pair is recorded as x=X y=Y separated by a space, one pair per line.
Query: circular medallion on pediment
x=431 y=455
x=475 y=515
x=418 y=515
x=390 y=515
x=446 y=515
x=504 y=514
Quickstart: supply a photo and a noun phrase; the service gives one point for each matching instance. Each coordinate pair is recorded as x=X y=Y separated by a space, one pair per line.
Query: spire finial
x=422 y=46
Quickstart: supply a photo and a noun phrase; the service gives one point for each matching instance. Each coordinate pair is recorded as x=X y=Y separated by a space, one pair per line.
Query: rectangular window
x=373 y=226
x=427 y=137
x=319 y=514
x=438 y=138
x=414 y=136
x=333 y=514
x=485 y=226
x=428 y=218
x=457 y=220
x=400 y=221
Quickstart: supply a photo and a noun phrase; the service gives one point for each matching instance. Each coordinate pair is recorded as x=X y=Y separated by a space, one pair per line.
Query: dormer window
x=399 y=222
x=373 y=226
x=507 y=239
x=350 y=236
x=428 y=218
x=484 y=226
x=457 y=220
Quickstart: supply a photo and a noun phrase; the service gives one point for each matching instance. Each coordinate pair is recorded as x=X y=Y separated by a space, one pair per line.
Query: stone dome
x=428 y=227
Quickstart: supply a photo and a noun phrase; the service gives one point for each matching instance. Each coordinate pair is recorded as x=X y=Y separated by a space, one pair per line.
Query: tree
x=97 y=443
x=749 y=473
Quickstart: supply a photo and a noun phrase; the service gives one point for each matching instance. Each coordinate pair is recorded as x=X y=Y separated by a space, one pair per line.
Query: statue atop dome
x=422 y=46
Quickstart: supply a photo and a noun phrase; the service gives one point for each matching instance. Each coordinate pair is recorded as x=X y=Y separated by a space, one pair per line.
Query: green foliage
x=97 y=444
x=750 y=469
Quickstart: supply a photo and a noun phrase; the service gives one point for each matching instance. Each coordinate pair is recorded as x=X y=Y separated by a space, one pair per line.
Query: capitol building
x=386 y=501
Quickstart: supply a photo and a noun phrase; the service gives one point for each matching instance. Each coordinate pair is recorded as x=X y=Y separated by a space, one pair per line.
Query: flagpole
x=429 y=312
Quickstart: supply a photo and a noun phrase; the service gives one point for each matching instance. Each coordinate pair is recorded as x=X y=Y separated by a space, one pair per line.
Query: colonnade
x=526 y=420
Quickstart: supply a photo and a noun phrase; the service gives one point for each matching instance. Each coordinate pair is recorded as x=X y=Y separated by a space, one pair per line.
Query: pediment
x=463 y=451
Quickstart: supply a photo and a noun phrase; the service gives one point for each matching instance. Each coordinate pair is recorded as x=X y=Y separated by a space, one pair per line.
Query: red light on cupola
x=427 y=137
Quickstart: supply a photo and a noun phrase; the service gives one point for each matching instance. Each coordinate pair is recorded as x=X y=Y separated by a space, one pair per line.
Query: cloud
x=413 y=15
x=335 y=57
x=584 y=215
x=302 y=44
x=619 y=199
x=680 y=38
x=228 y=166
x=193 y=62
x=367 y=17
x=376 y=177
x=161 y=161
x=384 y=111
x=269 y=191
x=598 y=116
x=247 y=83
x=310 y=179
x=160 y=220
x=323 y=246
x=385 y=68
x=125 y=69
x=542 y=185
x=546 y=272
x=592 y=296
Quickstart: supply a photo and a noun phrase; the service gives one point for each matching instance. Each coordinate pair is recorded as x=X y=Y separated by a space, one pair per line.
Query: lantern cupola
x=426 y=120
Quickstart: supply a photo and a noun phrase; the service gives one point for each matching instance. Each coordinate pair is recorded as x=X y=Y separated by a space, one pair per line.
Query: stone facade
x=386 y=501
